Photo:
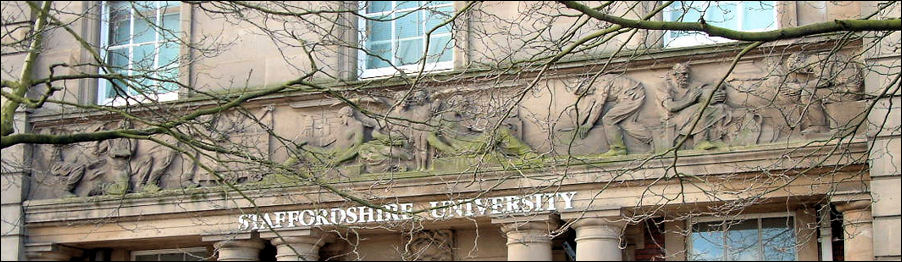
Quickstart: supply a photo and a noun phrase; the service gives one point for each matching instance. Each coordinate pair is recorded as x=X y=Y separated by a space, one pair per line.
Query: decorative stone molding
x=50 y=252
x=430 y=245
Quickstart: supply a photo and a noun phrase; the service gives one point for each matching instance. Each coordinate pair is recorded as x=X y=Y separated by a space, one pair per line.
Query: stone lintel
x=851 y=200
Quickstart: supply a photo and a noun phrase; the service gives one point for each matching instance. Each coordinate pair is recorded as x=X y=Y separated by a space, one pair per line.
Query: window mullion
x=724 y=236
x=760 y=241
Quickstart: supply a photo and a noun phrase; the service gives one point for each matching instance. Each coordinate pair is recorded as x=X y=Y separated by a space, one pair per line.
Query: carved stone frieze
x=430 y=245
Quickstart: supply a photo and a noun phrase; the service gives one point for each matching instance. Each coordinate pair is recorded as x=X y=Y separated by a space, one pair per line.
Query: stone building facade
x=794 y=156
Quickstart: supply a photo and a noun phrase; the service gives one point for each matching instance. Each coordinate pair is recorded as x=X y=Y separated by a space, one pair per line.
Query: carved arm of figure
x=719 y=95
x=675 y=105
x=598 y=98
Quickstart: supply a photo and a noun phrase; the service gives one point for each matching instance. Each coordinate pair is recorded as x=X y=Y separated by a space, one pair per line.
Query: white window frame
x=692 y=221
x=703 y=39
x=103 y=85
x=389 y=71
x=135 y=254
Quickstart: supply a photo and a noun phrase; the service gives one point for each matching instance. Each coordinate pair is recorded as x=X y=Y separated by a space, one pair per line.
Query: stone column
x=236 y=247
x=858 y=231
x=881 y=56
x=50 y=252
x=598 y=239
x=598 y=233
x=528 y=237
x=297 y=244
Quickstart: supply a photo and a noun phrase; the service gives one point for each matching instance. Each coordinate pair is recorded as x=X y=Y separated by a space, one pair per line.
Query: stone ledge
x=182 y=202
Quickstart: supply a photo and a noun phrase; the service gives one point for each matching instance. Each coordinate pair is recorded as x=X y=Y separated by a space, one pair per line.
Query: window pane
x=685 y=13
x=144 y=6
x=409 y=26
x=169 y=74
x=440 y=49
x=378 y=31
x=742 y=240
x=378 y=6
x=438 y=2
x=143 y=57
x=171 y=25
x=436 y=17
x=410 y=51
x=169 y=53
x=172 y=257
x=758 y=15
x=119 y=27
x=381 y=49
x=707 y=242
x=195 y=256
x=143 y=31
x=146 y=258
x=722 y=14
x=778 y=239
x=405 y=4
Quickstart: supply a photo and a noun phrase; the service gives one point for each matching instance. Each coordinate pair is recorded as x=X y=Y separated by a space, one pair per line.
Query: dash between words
x=439 y=210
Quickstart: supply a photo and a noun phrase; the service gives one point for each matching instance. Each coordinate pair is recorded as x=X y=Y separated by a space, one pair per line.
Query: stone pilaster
x=881 y=59
x=858 y=230
x=297 y=244
x=236 y=247
x=528 y=237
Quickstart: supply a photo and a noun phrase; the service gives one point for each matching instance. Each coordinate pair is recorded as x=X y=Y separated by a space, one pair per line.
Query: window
x=394 y=34
x=745 y=16
x=140 y=39
x=180 y=254
x=769 y=238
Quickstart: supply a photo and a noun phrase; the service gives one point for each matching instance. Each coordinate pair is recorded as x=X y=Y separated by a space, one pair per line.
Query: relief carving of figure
x=625 y=96
x=151 y=167
x=340 y=147
x=74 y=167
x=430 y=245
x=809 y=83
x=454 y=136
x=682 y=100
x=119 y=152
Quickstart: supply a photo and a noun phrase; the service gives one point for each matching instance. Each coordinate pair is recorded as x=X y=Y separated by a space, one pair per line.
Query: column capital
x=297 y=244
x=307 y=235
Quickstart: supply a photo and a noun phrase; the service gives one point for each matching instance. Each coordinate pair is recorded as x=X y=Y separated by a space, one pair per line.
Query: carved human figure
x=73 y=167
x=452 y=136
x=682 y=100
x=417 y=108
x=119 y=151
x=626 y=96
x=809 y=83
x=151 y=166
x=342 y=146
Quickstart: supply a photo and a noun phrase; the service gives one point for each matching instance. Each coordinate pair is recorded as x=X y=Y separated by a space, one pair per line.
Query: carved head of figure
x=679 y=75
x=345 y=114
x=417 y=97
x=584 y=88
x=799 y=63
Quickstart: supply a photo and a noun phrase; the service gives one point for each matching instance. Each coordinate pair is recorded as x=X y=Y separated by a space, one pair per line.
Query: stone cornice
x=191 y=202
